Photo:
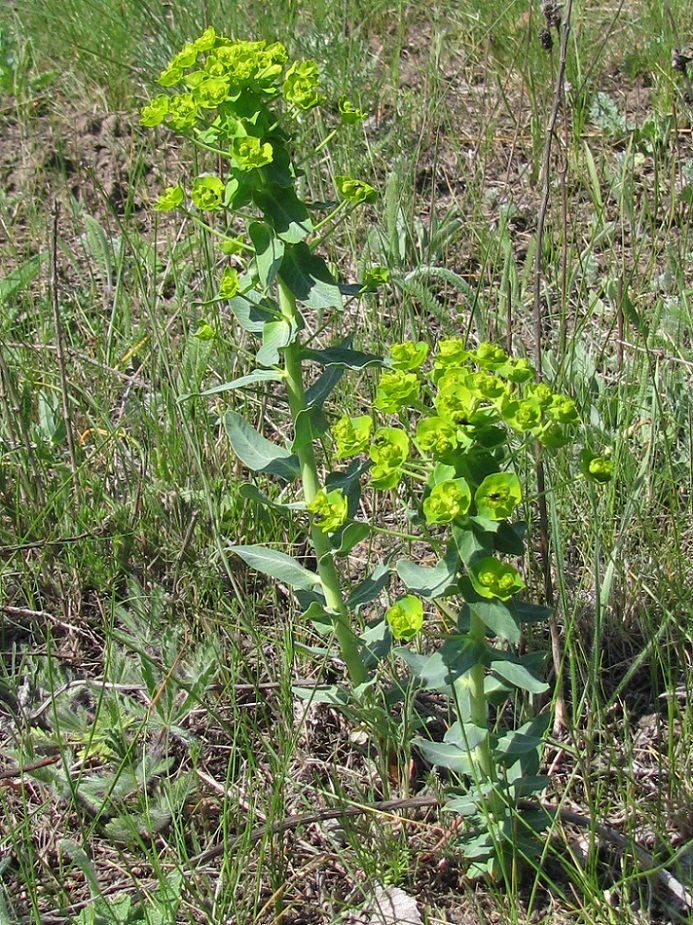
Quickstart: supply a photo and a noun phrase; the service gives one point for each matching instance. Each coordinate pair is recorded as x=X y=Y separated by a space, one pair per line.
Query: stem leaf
x=257 y=452
x=269 y=250
x=307 y=278
x=277 y=565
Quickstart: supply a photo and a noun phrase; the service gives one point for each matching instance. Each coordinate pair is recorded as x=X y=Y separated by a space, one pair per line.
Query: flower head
x=405 y=617
x=447 y=500
x=491 y=578
x=395 y=390
x=498 y=495
x=352 y=435
x=330 y=510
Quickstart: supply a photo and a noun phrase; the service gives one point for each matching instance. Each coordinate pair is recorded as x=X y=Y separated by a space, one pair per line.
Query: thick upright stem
x=311 y=486
x=479 y=712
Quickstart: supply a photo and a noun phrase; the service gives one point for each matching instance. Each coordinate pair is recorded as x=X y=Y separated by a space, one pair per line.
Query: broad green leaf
x=285 y=211
x=510 y=669
x=471 y=545
x=310 y=425
x=343 y=357
x=308 y=279
x=350 y=536
x=269 y=250
x=333 y=695
x=275 y=336
x=253 y=310
x=369 y=588
x=260 y=375
x=323 y=388
x=510 y=538
x=499 y=616
x=531 y=613
x=429 y=582
x=457 y=750
x=449 y=663
x=277 y=565
x=528 y=738
x=257 y=452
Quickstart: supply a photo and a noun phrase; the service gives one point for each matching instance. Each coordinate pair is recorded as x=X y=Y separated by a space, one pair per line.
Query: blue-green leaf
x=510 y=668
x=277 y=565
x=260 y=375
x=275 y=336
x=429 y=582
x=450 y=662
x=323 y=388
x=269 y=250
x=351 y=535
x=310 y=424
x=499 y=616
x=257 y=452
x=285 y=211
x=252 y=493
x=253 y=310
x=369 y=588
x=308 y=279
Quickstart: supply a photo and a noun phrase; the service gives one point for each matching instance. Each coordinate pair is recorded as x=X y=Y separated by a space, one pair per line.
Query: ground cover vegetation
x=281 y=499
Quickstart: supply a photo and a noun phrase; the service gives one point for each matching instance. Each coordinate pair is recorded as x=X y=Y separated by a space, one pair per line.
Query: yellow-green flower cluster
x=471 y=396
x=405 y=617
x=330 y=510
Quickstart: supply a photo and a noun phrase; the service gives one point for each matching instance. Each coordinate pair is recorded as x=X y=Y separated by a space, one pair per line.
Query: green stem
x=479 y=712
x=327 y=570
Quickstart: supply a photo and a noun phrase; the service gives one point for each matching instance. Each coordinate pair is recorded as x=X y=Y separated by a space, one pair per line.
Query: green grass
x=180 y=730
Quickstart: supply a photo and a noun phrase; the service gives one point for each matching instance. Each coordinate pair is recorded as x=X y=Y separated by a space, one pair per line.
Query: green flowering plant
x=441 y=437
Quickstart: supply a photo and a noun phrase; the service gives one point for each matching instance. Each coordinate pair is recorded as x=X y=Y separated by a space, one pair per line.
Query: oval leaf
x=277 y=565
x=257 y=452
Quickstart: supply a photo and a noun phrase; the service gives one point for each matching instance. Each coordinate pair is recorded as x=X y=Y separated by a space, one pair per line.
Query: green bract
x=491 y=578
x=447 y=501
x=454 y=402
x=355 y=190
x=330 y=510
x=207 y=192
x=522 y=416
x=498 y=495
x=405 y=617
x=489 y=356
x=485 y=385
x=389 y=451
x=597 y=469
x=563 y=410
x=352 y=435
x=349 y=113
x=250 y=152
x=211 y=92
x=395 y=390
x=408 y=355
x=171 y=197
x=517 y=370
x=228 y=284
x=376 y=276
x=451 y=352
x=300 y=83
x=154 y=112
x=182 y=111
x=436 y=436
